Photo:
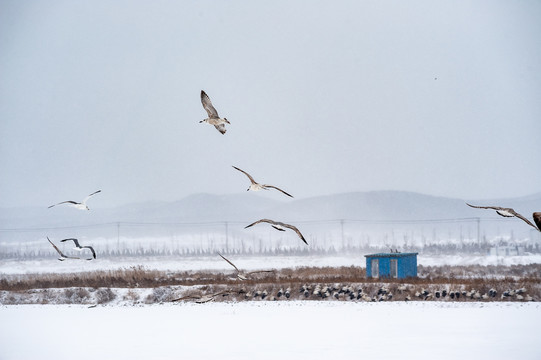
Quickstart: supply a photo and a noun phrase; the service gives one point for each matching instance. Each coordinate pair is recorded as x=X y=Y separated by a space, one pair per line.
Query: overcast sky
x=442 y=98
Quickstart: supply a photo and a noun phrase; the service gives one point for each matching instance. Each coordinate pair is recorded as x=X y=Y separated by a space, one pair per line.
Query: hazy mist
x=439 y=97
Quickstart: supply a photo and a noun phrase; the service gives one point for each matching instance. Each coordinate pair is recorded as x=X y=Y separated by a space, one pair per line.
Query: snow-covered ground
x=244 y=262
x=175 y=263
x=437 y=260
x=272 y=330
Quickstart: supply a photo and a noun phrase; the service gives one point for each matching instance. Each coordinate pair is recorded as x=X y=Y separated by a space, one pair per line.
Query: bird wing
x=221 y=128
x=262 y=220
x=91 y=249
x=207 y=105
x=88 y=197
x=523 y=219
x=245 y=173
x=223 y=257
x=223 y=292
x=56 y=248
x=504 y=211
x=187 y=297
x=487 y=207
x=75 y=241
x=296 y=230
x=498 y=209
x=260 y=271
x=206 y=298
x=537 y=219
x=64 y=202
x=60 y=252
x=274 y=187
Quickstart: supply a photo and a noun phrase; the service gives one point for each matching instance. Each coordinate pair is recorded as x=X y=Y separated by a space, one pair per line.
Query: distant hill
x=373 y=205
x=248 y=207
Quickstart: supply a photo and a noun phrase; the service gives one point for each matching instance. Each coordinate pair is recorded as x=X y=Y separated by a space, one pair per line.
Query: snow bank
x=176 y=263
x=271 y=330
x=242 y=261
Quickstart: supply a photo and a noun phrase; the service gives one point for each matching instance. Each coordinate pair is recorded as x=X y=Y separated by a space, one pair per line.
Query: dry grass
x=139 y=277
x=165 y=285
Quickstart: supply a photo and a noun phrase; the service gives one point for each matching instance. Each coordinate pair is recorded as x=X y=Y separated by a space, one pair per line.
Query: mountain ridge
x=200 y=207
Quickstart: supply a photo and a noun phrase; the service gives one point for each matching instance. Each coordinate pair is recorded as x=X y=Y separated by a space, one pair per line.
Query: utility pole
x=226 y=236
x=342 y=231
x=479 y=232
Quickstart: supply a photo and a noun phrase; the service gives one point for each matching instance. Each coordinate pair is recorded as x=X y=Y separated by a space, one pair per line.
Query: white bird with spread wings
x=244 y=276
x=255 y=186
x=280 y=226
x=78 y=205
x=508 y=212
x=202 y=299
x=78 y=247
x=62 y=255
x=213 y=117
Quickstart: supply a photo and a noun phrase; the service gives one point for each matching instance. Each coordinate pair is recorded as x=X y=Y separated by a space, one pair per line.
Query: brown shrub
x=105 y=295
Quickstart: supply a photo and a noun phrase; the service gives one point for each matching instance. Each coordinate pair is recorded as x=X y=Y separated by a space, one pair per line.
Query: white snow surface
x=272 y=330
x=203 y=263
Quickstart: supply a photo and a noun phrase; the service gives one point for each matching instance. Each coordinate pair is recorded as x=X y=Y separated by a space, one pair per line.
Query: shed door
x=394 y=268
x=375 y=268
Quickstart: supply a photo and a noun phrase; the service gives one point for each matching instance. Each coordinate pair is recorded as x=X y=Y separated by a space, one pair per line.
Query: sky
x=323 y=97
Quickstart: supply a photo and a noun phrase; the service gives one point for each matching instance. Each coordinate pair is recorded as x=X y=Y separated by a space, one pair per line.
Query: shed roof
x=391 y=255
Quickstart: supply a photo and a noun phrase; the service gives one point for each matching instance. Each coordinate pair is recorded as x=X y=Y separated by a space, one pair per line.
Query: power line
x=118 y=224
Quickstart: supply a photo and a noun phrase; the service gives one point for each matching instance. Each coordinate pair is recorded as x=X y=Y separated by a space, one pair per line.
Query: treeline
x=140 y=251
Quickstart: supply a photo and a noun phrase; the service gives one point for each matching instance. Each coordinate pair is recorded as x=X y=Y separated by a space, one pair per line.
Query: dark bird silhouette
x=79 y=247
x=537 y=219
x=279 y=226
x=62 y=256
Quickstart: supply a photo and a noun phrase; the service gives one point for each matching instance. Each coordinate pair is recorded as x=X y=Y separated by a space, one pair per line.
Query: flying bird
x=508 y=212
x=80 y=248
x=255 y=186
x=244 y=276
x=280 y=226
x=62 y=256
x=537 y=219
x=77 y=205
x=201 y=299
x=213 y=117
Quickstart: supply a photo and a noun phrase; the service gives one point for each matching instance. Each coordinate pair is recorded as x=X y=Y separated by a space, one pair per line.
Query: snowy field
x=175 y=263
x=272 y=330
x=203 y=263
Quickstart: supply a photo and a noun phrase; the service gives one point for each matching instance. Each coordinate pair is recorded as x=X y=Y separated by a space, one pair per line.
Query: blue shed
x=392 y=265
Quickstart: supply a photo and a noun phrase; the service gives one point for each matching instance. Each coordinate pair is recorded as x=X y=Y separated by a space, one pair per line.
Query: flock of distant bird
x=358 y=293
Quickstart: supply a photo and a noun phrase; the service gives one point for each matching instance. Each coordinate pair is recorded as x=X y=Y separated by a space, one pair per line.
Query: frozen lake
x=272 y=330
